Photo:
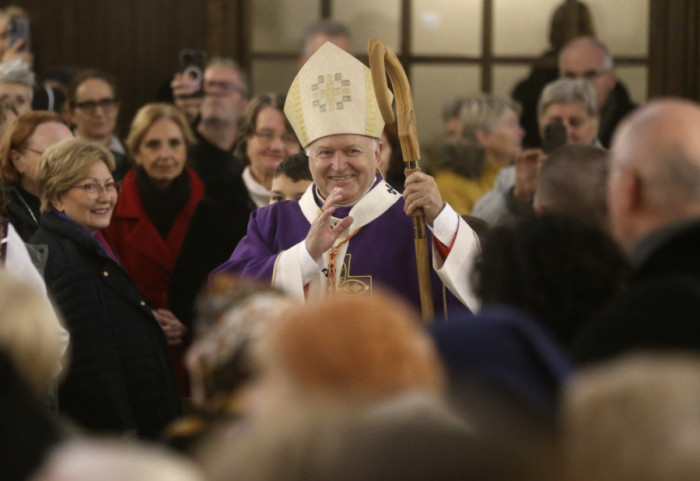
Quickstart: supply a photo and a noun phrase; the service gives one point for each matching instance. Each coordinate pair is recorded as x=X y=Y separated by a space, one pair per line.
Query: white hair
x=17 y=71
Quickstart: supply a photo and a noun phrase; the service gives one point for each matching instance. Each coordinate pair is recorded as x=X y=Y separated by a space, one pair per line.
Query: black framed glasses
x=588 y=74
x=221 y=86
x=93 y=190
x=107 y=104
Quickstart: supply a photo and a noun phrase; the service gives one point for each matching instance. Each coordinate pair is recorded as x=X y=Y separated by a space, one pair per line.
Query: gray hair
x=233 y=65
x=568 y=91
x=16 y=71
x=481 y=112
x=608 y=61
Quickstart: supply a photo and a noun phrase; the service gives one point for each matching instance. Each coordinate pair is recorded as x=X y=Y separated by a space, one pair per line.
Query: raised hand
x=323 y=234
x=183 y=88
x=527 y=166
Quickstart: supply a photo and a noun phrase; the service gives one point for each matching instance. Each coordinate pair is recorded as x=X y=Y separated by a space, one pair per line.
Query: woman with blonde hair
x=156 y=204
x=120 y=378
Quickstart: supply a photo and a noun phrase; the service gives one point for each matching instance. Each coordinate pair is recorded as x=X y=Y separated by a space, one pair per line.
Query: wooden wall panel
x=674 y=48
x=136 y=40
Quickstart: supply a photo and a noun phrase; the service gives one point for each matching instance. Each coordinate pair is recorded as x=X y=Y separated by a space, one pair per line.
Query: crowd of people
x=237 y=289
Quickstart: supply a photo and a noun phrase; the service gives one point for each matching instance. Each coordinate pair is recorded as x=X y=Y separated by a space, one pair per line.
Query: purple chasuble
x=380 y=255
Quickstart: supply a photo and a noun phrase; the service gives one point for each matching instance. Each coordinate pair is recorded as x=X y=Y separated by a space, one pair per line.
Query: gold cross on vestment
x=327 y=96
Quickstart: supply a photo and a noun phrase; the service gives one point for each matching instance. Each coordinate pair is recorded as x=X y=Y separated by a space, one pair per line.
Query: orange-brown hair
x=355 y=348
x=16 y=137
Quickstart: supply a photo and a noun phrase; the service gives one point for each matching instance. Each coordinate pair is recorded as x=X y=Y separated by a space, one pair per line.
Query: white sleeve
x=456 y=270
x=309 y=266
x=18 y=263
x=294 y=268
x=445 y=225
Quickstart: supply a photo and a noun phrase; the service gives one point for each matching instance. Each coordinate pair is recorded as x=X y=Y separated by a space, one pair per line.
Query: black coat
x=218 y=224
x=120 y=376
x=659 y=311
x=22 y=215
x=616 y=107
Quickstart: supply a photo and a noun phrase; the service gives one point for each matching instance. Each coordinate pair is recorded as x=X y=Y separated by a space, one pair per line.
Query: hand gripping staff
x=383 y=61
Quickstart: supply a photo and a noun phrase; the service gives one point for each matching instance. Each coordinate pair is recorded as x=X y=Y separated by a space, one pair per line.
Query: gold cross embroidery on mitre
x=330 y=92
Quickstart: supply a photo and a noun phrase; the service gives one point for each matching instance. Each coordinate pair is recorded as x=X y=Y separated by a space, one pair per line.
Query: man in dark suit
x=588 y=58
x=654 y=203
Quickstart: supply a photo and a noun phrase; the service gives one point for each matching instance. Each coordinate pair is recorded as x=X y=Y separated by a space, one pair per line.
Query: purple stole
x=379 y=254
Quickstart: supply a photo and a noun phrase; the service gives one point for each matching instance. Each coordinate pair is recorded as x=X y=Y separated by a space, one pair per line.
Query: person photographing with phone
x=571 y=105
x=14 y=35
x=215 y=117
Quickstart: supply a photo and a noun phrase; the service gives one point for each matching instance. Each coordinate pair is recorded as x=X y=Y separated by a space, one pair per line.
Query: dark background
x=139 y=40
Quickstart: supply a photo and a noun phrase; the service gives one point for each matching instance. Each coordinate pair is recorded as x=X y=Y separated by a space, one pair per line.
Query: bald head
x=655 y=161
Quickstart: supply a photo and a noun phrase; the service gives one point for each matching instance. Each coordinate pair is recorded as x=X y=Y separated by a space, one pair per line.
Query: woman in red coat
x=155 y=206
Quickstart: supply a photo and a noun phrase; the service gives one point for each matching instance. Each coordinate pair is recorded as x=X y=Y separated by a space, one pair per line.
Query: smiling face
x=348 y=162
x=93 y=214
x=270 y=144
x=162 y=152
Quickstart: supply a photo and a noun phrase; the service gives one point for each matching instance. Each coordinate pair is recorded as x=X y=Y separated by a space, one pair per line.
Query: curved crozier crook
x=377 y=53
x=383 y=61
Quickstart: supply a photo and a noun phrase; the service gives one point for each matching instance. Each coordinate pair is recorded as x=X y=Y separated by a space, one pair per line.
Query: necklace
x=36 y=222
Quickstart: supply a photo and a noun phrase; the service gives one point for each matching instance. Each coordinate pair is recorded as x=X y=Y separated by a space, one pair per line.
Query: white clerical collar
x=257 y=192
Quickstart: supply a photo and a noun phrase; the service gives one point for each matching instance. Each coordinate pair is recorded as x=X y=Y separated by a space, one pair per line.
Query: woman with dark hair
x=120 y=378
x=265 y=139
x=20 y=149
x=154 y=211
x=558 y=270
x=92 y=106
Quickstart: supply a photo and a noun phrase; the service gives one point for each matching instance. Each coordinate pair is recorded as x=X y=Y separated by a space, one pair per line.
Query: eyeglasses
x=588 y=74
x=227 y=87
x=107 y=104
x=268 y=136
x=93 y=190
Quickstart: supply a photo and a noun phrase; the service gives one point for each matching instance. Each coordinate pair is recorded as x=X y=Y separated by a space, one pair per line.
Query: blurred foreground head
x=634 y=419
x=345 y=349
x=91 y=460
x=654 y=180
x=29 y=333
x=233 y=314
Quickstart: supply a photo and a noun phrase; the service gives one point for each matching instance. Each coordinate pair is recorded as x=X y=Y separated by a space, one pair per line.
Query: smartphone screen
x=192 y=64
x=19 y=30
x=554 y=137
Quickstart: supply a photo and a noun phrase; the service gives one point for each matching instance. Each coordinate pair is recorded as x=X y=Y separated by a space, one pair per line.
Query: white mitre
x=333 y=94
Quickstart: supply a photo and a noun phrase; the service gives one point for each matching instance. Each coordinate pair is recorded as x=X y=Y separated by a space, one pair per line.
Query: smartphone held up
x=19 y=32
x=192 y=64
